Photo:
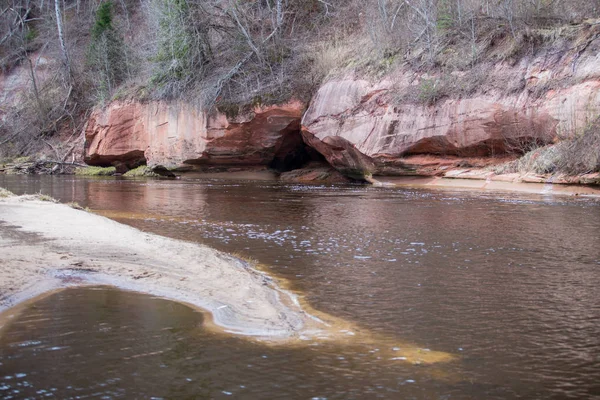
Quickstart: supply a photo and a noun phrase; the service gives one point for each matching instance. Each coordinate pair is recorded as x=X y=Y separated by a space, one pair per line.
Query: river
x=508 y=283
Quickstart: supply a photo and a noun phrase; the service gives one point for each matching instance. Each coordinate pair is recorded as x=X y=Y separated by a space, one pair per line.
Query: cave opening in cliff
x=293 y=153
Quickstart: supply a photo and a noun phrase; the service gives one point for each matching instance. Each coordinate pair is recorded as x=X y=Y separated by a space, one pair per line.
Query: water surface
x=507 y=282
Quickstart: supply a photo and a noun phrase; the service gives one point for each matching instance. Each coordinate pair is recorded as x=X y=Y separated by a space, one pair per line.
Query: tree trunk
x=61 y=38
x=35 y=88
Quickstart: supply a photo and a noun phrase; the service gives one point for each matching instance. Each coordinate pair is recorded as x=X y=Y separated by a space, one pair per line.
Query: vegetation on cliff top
x=578 y=155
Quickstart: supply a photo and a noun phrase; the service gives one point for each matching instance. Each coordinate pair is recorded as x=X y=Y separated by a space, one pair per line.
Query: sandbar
x=46 y=246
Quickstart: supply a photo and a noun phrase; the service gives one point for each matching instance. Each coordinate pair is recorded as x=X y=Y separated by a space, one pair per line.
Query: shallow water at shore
x=106 y=343
x=507 y=282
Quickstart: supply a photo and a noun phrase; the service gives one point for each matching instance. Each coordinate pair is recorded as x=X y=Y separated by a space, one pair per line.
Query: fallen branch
x=32 y=165
x=221 y=83
x=52 y=147
x=63 y=163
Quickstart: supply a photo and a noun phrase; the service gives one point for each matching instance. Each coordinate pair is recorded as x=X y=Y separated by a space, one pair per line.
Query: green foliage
x=96 y=171
x=30 y=35
x=183 y=46
x=142 y=170
x=444 y=18
x=106 y=53
x=103 y=20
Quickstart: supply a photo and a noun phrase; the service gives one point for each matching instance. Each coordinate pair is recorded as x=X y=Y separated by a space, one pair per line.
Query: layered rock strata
x=363 y=126
x=180 y=134
x=350 y=119
x=494 y=109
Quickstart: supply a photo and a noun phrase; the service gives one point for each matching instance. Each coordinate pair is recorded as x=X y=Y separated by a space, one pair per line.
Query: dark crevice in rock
x=292 y=152
x=123 y=162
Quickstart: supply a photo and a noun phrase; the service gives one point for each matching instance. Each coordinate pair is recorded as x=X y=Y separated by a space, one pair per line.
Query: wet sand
x=495 y=184
x=46 y=246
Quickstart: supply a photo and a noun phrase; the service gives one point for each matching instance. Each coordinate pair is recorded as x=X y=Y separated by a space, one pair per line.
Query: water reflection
x=106 y=343
x=507 y=281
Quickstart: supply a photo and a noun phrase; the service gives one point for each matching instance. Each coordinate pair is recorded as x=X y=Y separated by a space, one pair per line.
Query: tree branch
x=234 y=71
x=244 y=32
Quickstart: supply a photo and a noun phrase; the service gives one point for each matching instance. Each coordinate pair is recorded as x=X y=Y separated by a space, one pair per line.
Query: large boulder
x=342 y=155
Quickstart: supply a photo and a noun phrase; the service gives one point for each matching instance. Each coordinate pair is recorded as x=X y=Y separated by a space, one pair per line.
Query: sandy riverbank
x=46 y=246
x=482 y=184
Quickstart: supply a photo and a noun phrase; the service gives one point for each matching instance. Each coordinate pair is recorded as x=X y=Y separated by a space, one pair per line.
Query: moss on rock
x=156 y=171
x=142 y=170
x=96 y=171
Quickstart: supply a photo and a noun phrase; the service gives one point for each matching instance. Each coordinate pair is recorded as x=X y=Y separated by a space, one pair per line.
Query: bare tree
x=278 y=12
x=22 y=28
x=426 y=11
x=61 y=39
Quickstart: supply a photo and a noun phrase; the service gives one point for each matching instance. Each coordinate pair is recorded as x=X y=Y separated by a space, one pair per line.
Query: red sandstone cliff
x=376 y=132
x=367 y=126
x=178 y=134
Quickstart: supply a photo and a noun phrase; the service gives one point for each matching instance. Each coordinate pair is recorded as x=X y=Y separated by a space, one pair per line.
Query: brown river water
x=507 y=283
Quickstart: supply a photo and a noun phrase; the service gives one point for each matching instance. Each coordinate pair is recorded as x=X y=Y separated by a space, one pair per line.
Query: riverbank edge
x=461 y=179
x=44 y=256
x=475 y=179
x=485 y=182
x=429 y=170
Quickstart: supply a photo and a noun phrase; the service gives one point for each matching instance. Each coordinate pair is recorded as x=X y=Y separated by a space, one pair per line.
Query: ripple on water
x=507 y=281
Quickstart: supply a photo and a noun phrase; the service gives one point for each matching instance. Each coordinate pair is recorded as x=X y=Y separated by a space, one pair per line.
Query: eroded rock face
x=342 y=155
x=178 y=134
x=362 y=127
x=370 y=120
x=386 y=133
x=315 y=172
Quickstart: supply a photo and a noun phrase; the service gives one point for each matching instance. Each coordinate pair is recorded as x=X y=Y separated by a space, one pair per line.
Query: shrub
x=184 y=46
x=45 y=197
x=106 y=55
x=5 y=193
x=142 y=170
x=78 y=206
x=575 y=156
x=581 y=155
x=430 y=91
